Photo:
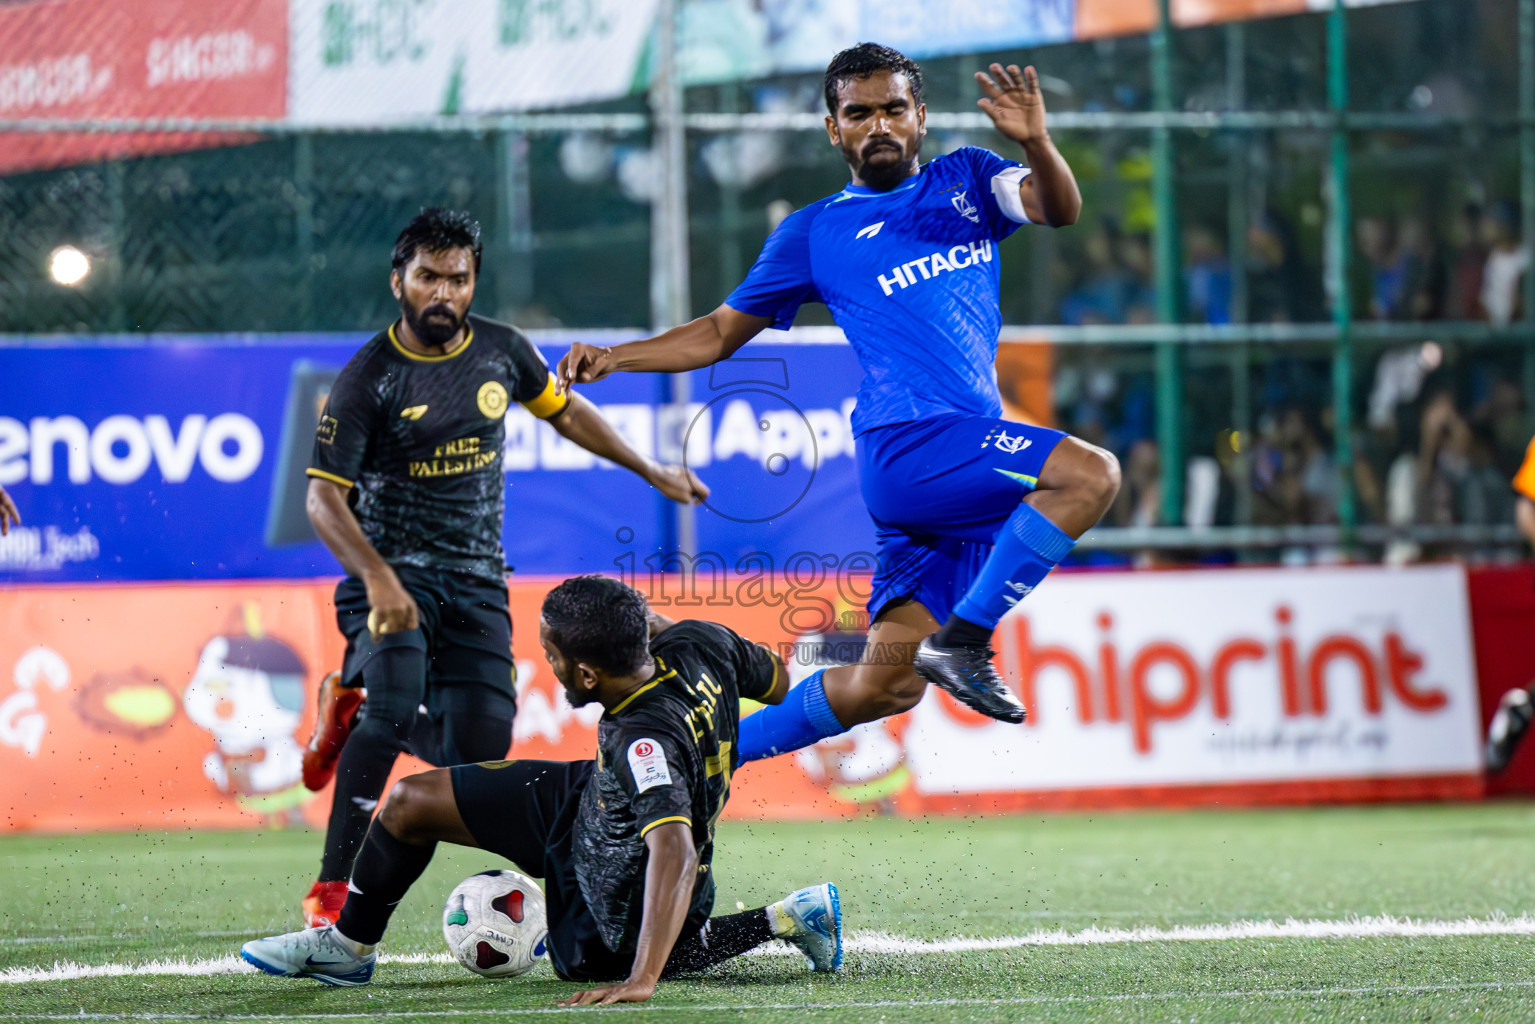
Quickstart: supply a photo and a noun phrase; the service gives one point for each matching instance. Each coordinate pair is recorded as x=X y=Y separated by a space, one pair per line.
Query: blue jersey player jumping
x=972 y=511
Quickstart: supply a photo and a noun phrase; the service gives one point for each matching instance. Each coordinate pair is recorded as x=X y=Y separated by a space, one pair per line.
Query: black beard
x=575 y=698
x=433 y=331
x=883 y=177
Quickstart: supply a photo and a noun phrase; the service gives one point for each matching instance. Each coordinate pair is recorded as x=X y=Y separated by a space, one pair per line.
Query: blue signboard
x=182 y=458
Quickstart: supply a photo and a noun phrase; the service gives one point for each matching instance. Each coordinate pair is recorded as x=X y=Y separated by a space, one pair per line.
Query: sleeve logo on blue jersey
x=966 y=208
x=871 y=230
x=1008 y=444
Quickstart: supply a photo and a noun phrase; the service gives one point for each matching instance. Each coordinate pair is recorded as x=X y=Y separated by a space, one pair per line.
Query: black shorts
x=465 y=632
x=525 y=811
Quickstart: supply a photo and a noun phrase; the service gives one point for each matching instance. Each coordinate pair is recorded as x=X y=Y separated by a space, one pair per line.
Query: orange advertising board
x=171 y=706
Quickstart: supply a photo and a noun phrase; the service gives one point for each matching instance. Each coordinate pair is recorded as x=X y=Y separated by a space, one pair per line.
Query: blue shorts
x=939 y=490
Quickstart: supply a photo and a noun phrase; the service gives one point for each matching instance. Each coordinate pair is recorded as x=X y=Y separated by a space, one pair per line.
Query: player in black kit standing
x=407 y=490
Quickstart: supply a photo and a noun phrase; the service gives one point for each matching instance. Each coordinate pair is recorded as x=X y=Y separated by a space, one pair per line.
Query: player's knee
x=1091 y=472
x=1106 y=477
x=406 y=809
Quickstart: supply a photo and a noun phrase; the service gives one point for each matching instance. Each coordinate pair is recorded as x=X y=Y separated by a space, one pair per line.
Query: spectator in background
x=1422 y=271
x=1140 y=496
x=1507 y=261
x=1444 y=459
x=1134 y=253
x=1468 y=257
x=1206 y=277
x=1101 y=295
x=1279 y=288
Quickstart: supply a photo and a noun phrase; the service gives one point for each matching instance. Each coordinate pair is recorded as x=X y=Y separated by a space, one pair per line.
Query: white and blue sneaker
x=318 y=953
x=812 y=920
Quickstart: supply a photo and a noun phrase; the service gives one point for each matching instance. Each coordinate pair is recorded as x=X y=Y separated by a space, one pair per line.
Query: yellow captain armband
x=320 y=474
x=549 y=402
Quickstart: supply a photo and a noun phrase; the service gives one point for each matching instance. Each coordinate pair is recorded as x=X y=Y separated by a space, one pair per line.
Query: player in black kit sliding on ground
x=624 y=843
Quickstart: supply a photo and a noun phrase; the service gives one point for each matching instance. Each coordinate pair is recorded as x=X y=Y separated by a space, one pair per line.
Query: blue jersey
x=911 y=277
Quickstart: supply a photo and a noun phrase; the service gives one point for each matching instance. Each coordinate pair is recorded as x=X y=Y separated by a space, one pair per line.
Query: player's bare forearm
x=1524 y=517
x=1050 y=193
x=583 y=424
x=393 y=608
x=669 y=879
x=690 y=346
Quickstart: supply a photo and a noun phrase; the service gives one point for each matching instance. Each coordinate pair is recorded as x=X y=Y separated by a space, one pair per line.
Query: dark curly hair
x=863 y=60
x=435 y=229
x=600 y=621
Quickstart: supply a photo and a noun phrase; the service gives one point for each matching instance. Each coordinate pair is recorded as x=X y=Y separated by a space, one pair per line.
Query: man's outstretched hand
x=1013 y=102
x=9 y=515
x=626 y=992
x=583 y=364
x=678 y=483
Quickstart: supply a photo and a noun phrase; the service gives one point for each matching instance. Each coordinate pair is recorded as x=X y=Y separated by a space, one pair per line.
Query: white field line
x=1245 y=995
x=884 y=943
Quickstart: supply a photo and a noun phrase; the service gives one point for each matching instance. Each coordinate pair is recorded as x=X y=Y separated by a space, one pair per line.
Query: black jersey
x=420 y=439
x=665 y=754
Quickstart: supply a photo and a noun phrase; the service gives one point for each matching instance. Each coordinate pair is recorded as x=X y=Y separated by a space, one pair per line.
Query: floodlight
x=68 y=265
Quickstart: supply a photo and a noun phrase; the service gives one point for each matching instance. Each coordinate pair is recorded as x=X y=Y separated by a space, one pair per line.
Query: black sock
x=385 y=870
x=395 y=678
x=958 y=632
x=720 y=939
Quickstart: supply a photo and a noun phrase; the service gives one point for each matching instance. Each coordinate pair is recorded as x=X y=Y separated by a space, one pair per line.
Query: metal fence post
x=670 y=301
x=1236 y=248
x=1169 y=283
x=1340 y=250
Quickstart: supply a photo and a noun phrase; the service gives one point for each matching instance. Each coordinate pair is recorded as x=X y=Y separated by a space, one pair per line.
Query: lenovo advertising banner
x=190 y=465
x=153 y=706
x=100 y=59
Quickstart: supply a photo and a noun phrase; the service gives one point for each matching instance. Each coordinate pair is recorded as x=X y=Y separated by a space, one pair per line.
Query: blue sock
x=1028 y=547
x=803 y=718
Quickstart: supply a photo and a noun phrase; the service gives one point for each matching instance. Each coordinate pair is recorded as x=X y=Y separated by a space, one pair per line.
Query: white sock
x=779 y=921
x=357 y=949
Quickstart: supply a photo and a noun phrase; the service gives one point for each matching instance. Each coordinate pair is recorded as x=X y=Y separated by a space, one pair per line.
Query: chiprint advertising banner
x=167 y=706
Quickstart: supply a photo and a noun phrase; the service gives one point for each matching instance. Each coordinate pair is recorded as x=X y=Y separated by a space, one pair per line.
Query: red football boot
x=332 y=725
x=322 y=907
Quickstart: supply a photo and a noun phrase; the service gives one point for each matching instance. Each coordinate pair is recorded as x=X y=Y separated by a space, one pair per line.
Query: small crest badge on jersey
x=647 y=761
x=966 y=208
x=492 y=399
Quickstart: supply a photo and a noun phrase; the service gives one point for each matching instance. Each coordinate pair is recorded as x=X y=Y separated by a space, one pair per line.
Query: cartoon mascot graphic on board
x=248 y=691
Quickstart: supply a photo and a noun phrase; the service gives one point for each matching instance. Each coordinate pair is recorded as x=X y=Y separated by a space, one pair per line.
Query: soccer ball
x=494 y=923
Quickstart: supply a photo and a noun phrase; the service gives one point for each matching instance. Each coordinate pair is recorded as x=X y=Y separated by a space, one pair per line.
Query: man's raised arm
x=690 y=346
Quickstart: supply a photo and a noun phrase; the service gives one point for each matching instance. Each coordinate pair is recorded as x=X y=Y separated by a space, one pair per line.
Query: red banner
x=101 y=59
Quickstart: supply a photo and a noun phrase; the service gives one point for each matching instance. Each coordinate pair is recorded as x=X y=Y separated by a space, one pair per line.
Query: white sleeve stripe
x=1004 y=187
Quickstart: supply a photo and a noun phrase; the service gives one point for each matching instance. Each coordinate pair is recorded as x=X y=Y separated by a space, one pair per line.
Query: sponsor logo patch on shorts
x=648 y=763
